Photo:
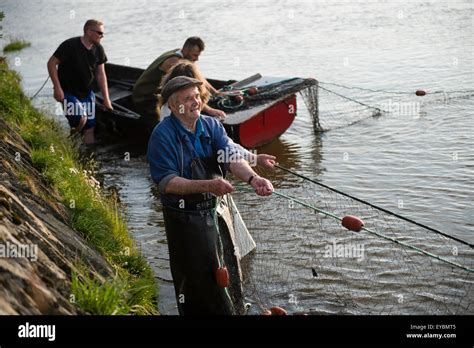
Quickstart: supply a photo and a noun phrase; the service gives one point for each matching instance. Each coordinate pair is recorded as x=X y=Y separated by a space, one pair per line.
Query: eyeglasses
x=100 y=33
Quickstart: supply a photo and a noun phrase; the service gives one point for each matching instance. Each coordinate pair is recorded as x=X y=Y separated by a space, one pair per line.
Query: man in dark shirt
x=73 y=68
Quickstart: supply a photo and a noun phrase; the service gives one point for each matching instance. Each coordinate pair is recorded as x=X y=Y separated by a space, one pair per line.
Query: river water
x=416 y=164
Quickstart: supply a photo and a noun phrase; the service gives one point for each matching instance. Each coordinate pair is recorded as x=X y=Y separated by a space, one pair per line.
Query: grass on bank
x=112 y=297
x=16 y=45
x=97 y=217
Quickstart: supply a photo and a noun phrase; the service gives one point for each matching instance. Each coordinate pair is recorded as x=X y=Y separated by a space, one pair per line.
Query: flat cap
x=175 y=84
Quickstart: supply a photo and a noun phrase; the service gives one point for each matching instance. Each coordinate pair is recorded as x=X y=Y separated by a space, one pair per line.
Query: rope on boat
x=244 y=97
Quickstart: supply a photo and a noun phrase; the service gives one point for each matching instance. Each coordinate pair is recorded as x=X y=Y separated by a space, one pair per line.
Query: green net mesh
x=308 y=262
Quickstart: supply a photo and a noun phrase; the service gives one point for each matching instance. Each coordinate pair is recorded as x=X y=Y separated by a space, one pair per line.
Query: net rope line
x=371 y=231
x=329 y=113
x=374 y=206
x=362 y=274
x=40 y=89
x=353 y=100
x=392 y=92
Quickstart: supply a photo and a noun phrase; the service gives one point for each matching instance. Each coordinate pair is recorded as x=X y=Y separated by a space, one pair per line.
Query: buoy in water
x=266 y=312
x=222 y=277
x=421 y=92
x=277 y=311
x=352 y=223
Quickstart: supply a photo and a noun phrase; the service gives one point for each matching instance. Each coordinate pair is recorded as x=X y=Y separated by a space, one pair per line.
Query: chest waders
x=200 y=241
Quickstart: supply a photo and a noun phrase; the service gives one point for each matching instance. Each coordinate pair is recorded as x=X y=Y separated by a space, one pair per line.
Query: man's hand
x=216 y=113
x=262 y=186
x=59 y=94
x=266 y=161
x=108 y=104
x=220 y=187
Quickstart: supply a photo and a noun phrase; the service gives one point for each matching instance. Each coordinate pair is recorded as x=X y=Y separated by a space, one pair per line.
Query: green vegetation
x=99 y=298
x=114 y=296
x=16 y=45
x=97 y=217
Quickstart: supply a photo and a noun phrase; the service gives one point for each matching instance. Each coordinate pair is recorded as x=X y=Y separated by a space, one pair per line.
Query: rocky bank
x=38 y=248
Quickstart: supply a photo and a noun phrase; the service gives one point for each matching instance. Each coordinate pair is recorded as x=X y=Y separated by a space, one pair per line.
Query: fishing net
x=307 y=262
x=250 y=97
x=334 y=105
x=330 y=109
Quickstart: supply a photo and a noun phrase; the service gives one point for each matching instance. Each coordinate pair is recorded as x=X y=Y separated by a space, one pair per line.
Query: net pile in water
x=307 y=262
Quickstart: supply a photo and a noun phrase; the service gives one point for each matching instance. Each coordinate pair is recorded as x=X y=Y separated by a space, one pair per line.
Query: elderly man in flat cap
x=182 y=152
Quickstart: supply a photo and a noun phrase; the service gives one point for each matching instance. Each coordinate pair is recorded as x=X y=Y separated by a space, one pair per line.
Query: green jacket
x=145 y=88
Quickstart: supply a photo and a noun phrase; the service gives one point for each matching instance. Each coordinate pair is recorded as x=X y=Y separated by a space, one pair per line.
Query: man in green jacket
x=145 y=89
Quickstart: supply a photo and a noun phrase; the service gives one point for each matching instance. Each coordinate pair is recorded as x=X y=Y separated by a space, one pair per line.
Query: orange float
x=277 y=311
x=252 y=90
x=421 y=92
x=222 y=277
x=352 y=223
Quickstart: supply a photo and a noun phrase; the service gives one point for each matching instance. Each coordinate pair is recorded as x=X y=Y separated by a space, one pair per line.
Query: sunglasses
x=100 y=33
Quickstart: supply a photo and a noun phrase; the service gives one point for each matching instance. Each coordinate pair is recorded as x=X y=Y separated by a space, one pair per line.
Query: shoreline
x=85 y=260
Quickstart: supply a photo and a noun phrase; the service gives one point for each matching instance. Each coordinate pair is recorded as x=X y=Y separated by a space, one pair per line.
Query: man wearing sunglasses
x=72 y=68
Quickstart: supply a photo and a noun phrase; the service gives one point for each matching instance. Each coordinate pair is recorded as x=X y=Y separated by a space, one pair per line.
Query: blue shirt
x=194 y=137
x=172 y=148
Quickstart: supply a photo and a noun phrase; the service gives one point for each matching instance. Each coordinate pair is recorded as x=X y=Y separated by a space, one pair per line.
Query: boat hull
x=266 y=125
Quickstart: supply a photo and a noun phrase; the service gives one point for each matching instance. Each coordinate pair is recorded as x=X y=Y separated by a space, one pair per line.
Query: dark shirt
x=172 y=148
x=77 y=66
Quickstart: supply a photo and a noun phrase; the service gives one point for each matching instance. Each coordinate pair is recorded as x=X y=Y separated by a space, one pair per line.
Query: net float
x=421 y=92
x=222 y=277
x=277 y=311
x=266 y=312
x=252 y=90
x=352 y=223
x=238 y=98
